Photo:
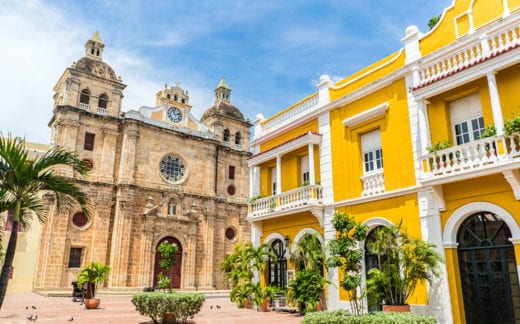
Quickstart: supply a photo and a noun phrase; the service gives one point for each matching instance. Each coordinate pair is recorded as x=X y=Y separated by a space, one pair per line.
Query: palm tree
x=22 y=180
x=94 y=274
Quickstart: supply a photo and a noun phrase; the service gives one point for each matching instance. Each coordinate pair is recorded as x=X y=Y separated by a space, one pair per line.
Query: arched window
x=226 y=135
x=84 y=99
x=238 y=138
x=103 y=101
x=175 y=97
x=277 y=266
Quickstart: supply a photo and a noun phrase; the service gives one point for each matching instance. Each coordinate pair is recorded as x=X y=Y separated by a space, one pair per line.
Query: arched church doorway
x=488 y=272
x=372 y=260
x=277 y=266
x=175 y=272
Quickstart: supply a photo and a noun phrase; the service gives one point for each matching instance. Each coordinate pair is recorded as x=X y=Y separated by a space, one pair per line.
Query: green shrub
x=344 y=317
x=156 y=304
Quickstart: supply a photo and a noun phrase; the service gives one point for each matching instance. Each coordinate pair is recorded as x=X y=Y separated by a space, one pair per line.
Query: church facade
x=156 y=174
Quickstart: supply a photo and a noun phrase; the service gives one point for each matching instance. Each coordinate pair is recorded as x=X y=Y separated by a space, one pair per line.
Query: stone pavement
x=18 y=308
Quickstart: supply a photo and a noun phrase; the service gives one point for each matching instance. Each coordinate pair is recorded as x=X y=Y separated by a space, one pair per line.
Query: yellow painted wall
x=403 y=208
x=439 y=114
x=311 y=126
x=368 y=75
x=457 y=17
x=508 y=84
x=396 y=141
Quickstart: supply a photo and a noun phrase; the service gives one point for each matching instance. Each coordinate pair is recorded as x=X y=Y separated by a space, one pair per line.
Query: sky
x=271 y=52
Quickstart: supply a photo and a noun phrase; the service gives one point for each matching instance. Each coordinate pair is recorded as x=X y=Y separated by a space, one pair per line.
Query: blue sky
x=271 y=52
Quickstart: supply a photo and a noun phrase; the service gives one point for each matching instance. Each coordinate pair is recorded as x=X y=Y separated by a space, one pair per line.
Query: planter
x=168 y=318
x=396 y=308
x=264 y=306
x=248 y=303
x=92 y=303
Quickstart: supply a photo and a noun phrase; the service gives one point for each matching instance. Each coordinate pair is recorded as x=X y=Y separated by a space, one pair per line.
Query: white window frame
x=372 y=152
x=467 y=121
x=305 y=170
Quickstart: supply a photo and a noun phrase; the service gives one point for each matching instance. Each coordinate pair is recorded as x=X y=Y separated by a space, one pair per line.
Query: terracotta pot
x=247 y=303
x=92 y=303
x=396 y=308
x=265 y=304
x=168 y=318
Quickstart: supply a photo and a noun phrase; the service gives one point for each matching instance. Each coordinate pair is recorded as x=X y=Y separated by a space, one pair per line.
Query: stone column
x=128 y=150
x=106 y=167
x=189 y=261
x=496 y=108
x=207 y=274
x=45 y=245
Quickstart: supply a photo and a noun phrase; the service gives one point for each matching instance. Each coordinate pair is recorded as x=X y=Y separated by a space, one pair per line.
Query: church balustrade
x=102 y=111
x=307 y=195
x=84 y=106
x=484 y=156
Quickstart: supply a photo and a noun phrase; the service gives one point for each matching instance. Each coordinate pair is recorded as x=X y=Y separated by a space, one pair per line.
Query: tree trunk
x=8 y=261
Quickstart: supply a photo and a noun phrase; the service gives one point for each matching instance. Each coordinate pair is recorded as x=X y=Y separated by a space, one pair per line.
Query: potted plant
x=265 y=296
x=512 y=125
x=403 y=263
x=306 y=289
x=91 y=276
x=439 y=146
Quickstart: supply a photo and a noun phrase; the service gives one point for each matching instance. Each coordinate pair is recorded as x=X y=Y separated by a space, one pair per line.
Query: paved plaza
x=18 y=308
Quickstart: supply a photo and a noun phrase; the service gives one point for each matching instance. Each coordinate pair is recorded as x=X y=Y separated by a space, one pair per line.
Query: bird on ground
x=218 y=306
x=35 y=318
x=71 y=319
x=33 y=307
x=30 y=318
x=26 y=307
x=211 y=307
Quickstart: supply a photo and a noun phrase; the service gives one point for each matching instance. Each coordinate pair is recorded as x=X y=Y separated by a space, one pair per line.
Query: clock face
x=174 y=115
x=172 y=168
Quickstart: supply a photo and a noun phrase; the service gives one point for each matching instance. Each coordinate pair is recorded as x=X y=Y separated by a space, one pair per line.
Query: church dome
x=95 y=67
x=223 y=108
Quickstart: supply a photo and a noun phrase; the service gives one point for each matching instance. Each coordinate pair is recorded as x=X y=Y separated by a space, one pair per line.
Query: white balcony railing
x=102 y=110
x=373 y=183
x=470 y=157
x=291 y=114
x=84 y=106
x=481 y=48
x=295 y=198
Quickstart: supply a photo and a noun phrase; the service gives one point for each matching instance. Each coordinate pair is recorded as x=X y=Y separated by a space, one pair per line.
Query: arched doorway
x=372 y=260
x=175 y=272
x=277 y=266
x=488 y=272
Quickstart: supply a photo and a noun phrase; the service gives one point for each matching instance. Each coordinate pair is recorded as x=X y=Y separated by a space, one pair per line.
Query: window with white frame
x=304 y=165
x=372 y=151
x=273 y=181
x=467 y=122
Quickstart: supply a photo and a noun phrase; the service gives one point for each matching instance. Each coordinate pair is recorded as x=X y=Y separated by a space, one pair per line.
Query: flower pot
x=248 y=303
x=396 y=308
x=264 y=305
x=168 y=318
x=92 y=303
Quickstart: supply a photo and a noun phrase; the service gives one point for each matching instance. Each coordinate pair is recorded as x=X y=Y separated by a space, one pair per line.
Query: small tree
x=347 y=255
x=167 y=252
x=93 y=275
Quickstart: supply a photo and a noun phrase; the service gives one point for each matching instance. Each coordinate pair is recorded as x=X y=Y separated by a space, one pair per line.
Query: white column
x=424 y=125
x=495 y=103
x=506 y=9
x=251 y=181
x=312 y=176
x=278 y=174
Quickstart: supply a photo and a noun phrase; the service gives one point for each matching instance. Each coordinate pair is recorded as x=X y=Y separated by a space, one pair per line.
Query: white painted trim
x=385 y=195
x=398 y=55
x=377 y=221
x=367 y=115
x=273 y=236
x=452 y=225
x=304 y=232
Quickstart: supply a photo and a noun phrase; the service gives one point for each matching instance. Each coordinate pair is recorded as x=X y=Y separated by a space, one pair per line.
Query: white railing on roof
x=285 y=201
x=84 y=106
x=290 y=115
x=474 y=156
x=102 y=110
x=481 y=49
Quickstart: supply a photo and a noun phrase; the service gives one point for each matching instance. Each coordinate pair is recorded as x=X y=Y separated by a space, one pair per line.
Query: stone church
x=156 y=174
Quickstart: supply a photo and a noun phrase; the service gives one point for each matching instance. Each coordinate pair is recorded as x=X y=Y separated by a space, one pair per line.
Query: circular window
x=231 y=190
x=79 y=219
x=89 y=165
x=172 y=168
x=230 y=233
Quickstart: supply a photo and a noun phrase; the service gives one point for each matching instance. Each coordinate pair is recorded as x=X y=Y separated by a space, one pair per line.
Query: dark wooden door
x=175 y=272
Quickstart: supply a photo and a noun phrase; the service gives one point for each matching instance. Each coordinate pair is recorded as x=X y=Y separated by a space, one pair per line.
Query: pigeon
x=33 y=307
x=35 y=318
x=211 y=307
x=30 y=318
x=26 y=307
x=218 y=306
x=71 y=319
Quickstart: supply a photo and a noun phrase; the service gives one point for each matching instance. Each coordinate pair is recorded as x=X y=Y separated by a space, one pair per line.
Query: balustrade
x=84 y=106
x=298 y=110
x=373 y=183
x=286 y=200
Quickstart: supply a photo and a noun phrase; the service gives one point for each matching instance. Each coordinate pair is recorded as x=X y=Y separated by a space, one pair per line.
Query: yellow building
x=365 y=145
x=26 y=257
